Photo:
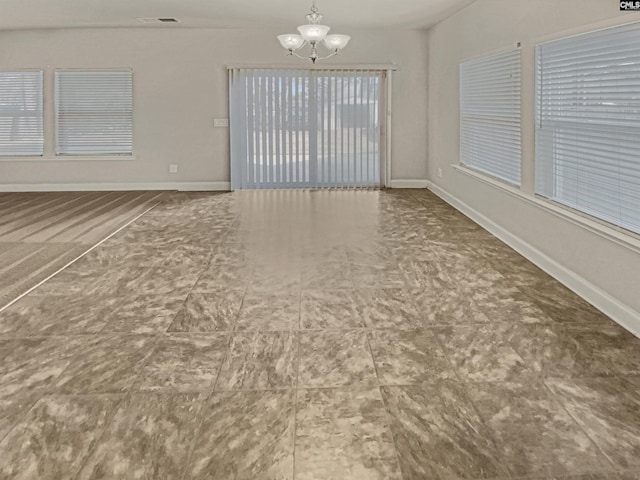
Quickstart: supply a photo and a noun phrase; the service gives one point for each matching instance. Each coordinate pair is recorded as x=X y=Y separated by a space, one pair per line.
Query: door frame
x=385 y=112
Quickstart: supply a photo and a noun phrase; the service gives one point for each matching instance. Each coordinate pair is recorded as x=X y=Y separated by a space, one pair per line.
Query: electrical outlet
x=439 y=173
x=173 y=168
x=220 y=122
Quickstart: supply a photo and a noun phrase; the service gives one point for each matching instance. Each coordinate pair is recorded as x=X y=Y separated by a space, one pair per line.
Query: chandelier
x=314 y=35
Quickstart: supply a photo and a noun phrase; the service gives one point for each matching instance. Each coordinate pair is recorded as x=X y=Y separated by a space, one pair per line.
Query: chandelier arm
x=295 y=54
x=332 y=54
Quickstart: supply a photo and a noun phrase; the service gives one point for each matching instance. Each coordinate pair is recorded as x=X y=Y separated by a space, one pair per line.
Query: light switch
x=220 y=122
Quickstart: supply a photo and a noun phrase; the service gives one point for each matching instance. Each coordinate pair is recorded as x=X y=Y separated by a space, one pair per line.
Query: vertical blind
x=490 y=115
x=21 y=113
x=305 y=128
x=588 y=124
x=94 y=112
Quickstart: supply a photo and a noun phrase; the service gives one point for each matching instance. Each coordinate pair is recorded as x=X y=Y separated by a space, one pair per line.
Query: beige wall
x=588 y=262
x=180 y=85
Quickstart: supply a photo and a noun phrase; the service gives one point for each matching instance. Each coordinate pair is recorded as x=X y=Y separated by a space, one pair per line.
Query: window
x=94 y=112
x=490 y=115
x=588 y=124
x=21 y=113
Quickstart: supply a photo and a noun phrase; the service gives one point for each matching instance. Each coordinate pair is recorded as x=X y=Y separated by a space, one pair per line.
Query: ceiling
x=287 y=14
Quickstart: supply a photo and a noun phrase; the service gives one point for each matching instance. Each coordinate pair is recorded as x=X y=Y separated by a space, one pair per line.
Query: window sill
x=69 y=158
x=617 y=235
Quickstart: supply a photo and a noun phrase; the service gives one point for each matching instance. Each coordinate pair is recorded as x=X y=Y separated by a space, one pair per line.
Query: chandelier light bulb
x=336 y=41
x=313 y=33
x=291 y=41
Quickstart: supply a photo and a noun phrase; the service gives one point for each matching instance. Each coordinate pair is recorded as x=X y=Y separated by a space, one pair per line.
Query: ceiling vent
x=158 y=20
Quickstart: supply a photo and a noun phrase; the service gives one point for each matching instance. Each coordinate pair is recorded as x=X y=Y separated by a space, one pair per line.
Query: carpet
x=42 y=232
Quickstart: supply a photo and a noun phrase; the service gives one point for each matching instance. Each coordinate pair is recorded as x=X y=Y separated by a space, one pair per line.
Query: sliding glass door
x=306 y=128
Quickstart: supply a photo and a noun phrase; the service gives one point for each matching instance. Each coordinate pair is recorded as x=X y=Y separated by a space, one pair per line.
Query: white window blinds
x=490 y=115
x=21 y=113
x=94 y=112
x=305 y=128
x=588 y=124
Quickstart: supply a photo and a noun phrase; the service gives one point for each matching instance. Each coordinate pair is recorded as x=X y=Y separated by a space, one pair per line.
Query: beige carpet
x=42 y=232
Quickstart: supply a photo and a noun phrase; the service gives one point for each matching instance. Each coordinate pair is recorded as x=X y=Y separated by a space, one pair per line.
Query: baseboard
x=82 y=187
x=408 y=184
x=618 y=311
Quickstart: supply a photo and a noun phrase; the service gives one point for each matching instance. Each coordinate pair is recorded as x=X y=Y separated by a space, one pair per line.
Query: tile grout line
x=384 y=404
x=212 y=332
x=229 y=342
x=23 y=415
x=199 y=422
x=564 y=407
x=295 y=396
x=145 y=361
x=539 y=376
x=184 y=302
x=213 y=391
x=296 y=387
x=463 y=383
x=125 y=397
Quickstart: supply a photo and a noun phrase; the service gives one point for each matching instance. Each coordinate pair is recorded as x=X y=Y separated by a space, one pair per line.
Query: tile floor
x=312 y=336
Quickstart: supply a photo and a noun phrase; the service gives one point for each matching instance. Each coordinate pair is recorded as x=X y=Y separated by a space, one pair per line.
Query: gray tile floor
x=313 y=335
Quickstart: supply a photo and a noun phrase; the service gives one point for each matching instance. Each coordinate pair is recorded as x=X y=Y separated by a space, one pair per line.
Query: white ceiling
x=286 y=14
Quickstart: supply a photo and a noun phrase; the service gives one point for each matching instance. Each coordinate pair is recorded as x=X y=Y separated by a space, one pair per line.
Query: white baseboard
x=626 y=316
x=408 y=184
x=83 y=187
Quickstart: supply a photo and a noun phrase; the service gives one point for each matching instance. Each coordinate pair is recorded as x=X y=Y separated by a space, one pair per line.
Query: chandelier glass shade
x=313 y=35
